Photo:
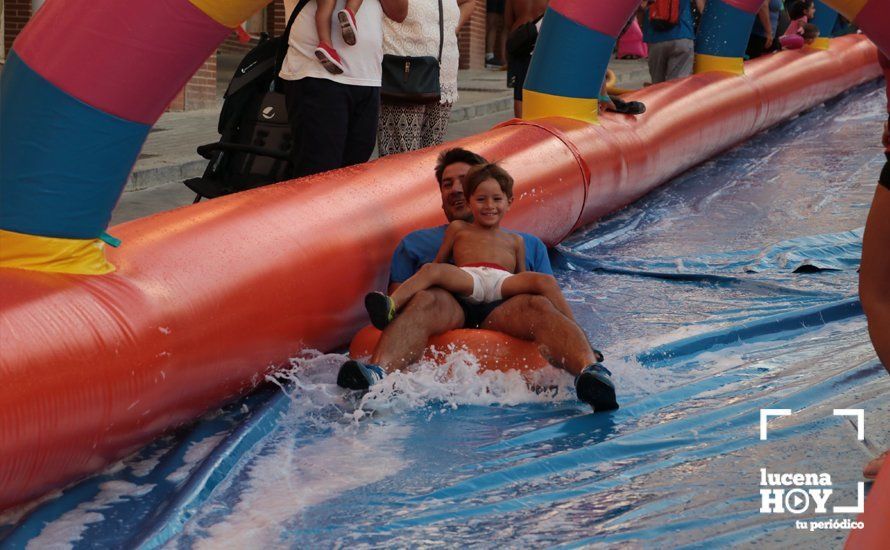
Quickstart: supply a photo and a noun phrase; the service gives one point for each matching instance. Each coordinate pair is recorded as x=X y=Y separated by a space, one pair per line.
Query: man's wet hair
x=452 y=156
x=488 y=171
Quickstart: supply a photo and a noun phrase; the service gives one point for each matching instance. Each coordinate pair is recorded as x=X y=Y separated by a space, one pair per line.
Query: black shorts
x=475 y=314
x=495 y=6
x=885 y=173
x=517 y=69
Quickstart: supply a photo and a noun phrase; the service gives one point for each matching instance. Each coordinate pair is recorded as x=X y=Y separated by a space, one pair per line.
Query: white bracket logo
x=764 y=417
x=860 y=420
x=765 y=414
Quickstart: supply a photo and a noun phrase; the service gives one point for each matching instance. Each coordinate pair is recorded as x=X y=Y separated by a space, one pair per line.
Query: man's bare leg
x=529 y=282
x=494 y=37
x=403 y=341
x=560 y=340
x=429 y=312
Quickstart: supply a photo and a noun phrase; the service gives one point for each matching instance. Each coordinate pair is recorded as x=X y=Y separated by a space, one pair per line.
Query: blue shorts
x=475 y=314
x=495 y=6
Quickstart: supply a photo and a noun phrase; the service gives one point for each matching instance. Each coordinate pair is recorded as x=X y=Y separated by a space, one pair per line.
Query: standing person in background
x=800 y=13
x=410 y=126
x=671 y=44
x=495 y=34
x=520 y=18
x=782 y=26
x=334 y=116
x=630 y=42
x=765 y=31
x=874 y=272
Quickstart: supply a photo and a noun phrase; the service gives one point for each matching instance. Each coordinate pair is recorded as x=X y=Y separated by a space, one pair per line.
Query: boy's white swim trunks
x=487 y=282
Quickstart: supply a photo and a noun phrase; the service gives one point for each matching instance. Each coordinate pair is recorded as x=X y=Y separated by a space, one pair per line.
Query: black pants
x=334 y=125
x=756 y=46
x=517 y=70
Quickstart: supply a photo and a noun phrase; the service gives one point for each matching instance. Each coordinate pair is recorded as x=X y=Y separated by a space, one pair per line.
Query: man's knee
x=423 y=301
x=545 y=284
x=541 y=306
x=435 y=302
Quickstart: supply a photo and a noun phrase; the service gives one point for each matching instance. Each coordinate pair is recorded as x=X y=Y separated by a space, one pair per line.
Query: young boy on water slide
x=490 y=263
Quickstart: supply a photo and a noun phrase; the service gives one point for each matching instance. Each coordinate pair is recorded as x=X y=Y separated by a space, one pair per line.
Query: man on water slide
x=435 y=311
x=874 y=273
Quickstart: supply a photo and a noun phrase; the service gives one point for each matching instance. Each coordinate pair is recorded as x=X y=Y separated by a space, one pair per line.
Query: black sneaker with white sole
x=355 y=375
x=594 y=386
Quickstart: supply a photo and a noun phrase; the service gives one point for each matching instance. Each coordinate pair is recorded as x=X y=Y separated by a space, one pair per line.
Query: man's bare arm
x=466 y=11
x=509 y=17
x=397 y=10
x=444 y=253
x=763 y=16
x=700 y=4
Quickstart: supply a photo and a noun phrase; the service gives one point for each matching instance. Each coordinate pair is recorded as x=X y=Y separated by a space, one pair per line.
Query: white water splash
x=453 y=379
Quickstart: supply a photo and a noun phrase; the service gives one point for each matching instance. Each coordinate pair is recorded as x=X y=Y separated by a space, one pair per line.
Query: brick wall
x=200 y=92
x=275 y=21
x=471 y=40
x=16 y=15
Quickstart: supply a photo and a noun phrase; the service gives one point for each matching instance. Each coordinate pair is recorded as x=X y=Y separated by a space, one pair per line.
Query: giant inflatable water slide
x=103 y=349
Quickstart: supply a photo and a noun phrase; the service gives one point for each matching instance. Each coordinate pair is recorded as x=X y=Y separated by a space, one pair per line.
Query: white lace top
x=418 y=35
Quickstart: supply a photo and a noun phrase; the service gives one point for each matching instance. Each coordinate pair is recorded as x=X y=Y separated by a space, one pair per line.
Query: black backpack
x=255 y=134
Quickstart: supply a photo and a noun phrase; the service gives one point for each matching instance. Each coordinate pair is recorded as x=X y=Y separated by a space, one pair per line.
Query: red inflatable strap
x=558 y=134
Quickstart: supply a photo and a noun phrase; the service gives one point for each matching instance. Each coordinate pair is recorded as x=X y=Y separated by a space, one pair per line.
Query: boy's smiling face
x=489 y=203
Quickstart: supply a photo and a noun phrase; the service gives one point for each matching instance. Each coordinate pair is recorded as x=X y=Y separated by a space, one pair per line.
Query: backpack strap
x=441 y=31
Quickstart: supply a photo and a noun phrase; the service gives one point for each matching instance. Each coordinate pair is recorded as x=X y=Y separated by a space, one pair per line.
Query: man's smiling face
x=453 y=201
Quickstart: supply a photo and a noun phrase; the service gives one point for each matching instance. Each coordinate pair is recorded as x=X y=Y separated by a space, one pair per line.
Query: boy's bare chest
x=478 y=246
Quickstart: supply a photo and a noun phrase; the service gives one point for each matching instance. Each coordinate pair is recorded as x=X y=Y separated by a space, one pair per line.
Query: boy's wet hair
x=810 y=31
x=488 y=171
x=452 y=156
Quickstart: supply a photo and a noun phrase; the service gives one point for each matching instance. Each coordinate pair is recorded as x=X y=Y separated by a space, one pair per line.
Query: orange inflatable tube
x=209 y=298
x=493 y=350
